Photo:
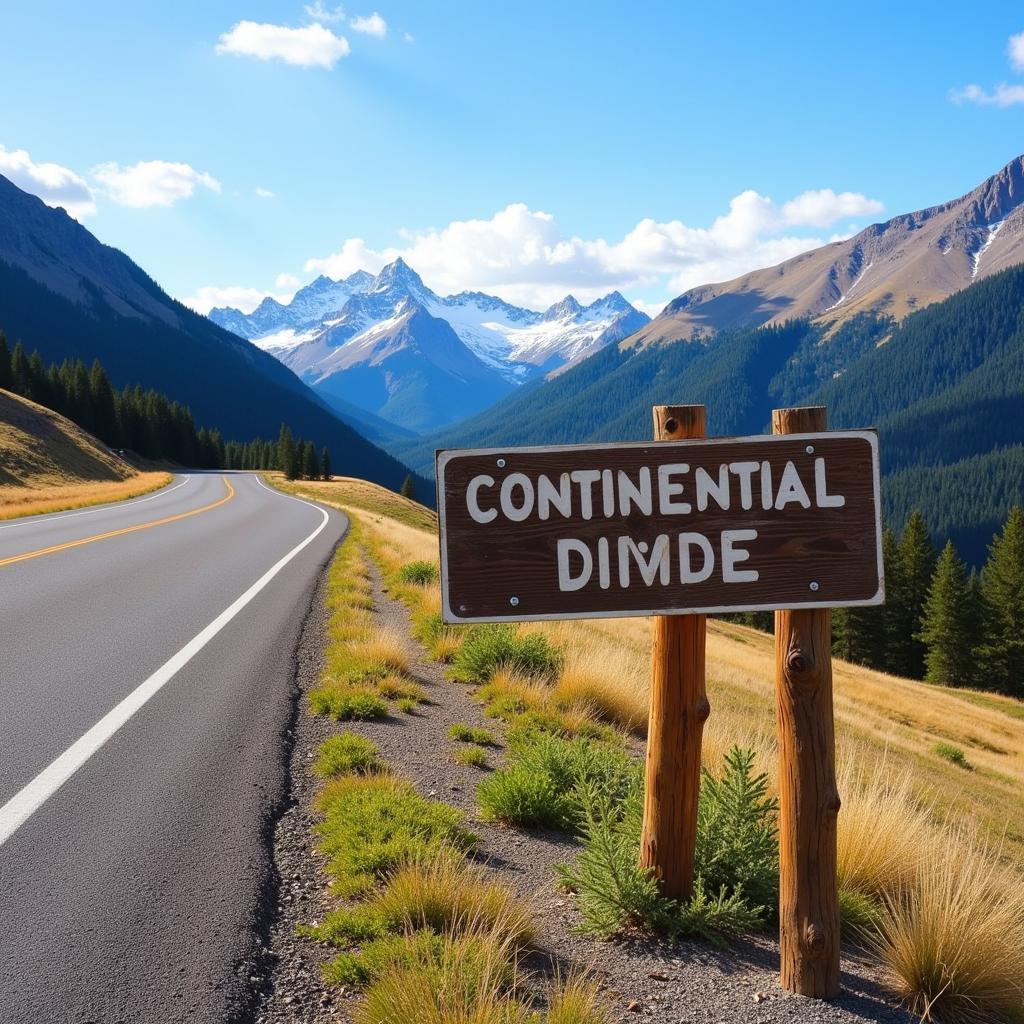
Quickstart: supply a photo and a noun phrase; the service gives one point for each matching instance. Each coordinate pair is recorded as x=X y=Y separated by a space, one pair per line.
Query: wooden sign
x=725 y=524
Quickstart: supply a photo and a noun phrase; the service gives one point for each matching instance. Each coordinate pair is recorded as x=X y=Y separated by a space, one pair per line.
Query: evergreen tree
x=5 y=363
x=949 y=623
x=858 y=635
x=1002 y=590
x=287 y=458
x=102 y=397
x=325 y=463
x=310 y=463
x=916 y=559
x=20 y=382
x=407 y=487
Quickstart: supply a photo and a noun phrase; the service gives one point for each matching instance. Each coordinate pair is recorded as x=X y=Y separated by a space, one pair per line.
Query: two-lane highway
x=146 y=661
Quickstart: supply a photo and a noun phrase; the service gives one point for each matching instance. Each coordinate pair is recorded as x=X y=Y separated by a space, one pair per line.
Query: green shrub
x=421 y=573
x=372 y=824
x=473 y=757
x=440 y=640
x=408 y=705
x=858 y=913
x=948 y=752
x=379 y=954
x=487 y=648
x=347 y=702
x=347 y=753
x=467 y=734
x=548 y=780
x=737 y=851
x=737 y=841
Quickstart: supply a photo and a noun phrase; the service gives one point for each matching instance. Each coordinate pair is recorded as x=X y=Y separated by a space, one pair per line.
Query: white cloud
x=54 y=184
x=408 y=37
x=152 y=182
x=1015 y=49
x=238 y=296
x=310 y=46
x=287 y=281
x=371 y=25
x=318 y=12
x=1003 y=95
x=524 y=256
x=264 y=193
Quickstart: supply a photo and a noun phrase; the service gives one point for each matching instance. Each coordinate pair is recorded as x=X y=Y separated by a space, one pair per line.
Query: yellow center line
x=118 y=533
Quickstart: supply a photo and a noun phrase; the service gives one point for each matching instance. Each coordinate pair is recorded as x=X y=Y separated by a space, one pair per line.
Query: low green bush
x=472 y=757
x=372 y=824
x=858 y=913
x=735 y=889
x=487 y=648
x=347 y=702
x=548 y=781
x=408 y=705
x=421 y=573
x=345 y=754
x=953 y=754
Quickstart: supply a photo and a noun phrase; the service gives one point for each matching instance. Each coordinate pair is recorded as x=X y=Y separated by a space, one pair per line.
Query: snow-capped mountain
x=470 y=348
x=280 y=326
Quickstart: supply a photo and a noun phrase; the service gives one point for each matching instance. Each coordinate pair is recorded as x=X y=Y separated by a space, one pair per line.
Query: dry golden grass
x=952 y=939
x=576 y=1000
x=385 y=648
x=34 y=501
x=49 y=464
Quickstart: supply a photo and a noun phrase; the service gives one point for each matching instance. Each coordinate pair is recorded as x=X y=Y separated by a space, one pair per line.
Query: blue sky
x=526 y=149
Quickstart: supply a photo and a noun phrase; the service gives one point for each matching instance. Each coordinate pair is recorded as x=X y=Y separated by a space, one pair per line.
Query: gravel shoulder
x=669 y=983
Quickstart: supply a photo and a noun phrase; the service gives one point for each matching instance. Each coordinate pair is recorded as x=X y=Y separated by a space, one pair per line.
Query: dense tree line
x=147 y=422
x=941 y=622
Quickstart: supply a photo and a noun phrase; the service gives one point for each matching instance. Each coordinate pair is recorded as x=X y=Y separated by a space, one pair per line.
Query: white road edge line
x=33 y=520
x=31 y=797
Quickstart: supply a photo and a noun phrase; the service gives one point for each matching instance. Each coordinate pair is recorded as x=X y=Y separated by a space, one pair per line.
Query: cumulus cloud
x=523 y=255
x=1002 y=95
x=311 y=46
x=287 y=281
x=371 y=25
x=264 y=193
x=152 y=182
x=54 y=184
x=237 y=296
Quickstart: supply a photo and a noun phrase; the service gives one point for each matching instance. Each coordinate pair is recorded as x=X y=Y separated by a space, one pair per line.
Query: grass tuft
x=472 y=757
x=347 y=754
x=420 y=573
x=953 y=754
x=467 y=734
x=576 y=1001
x=407 y=705
x=488 y=648
x=346 y=703
x=373 y=824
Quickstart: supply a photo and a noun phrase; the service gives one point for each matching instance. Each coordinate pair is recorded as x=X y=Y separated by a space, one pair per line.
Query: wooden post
x=679 y=708
x=808 y=796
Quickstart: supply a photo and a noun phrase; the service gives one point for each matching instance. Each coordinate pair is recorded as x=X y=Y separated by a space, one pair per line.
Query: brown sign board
x=660 y=528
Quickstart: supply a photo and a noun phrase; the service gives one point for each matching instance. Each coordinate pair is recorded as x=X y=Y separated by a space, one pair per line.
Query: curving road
x=146 y=661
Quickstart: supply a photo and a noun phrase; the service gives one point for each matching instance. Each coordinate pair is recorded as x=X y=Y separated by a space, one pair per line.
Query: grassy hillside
x=47 y=463
x=944 y=388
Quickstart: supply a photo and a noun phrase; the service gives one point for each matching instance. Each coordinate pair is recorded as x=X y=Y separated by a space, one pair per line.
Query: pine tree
x=20 y=379
x=310 y=463
x=325 y=463
x=102 y=397
x=5 y=363
x=1002 y=590
x=407 y=487
x=916 y=558
x=948 y=627
x=287 y=460
x=895 y=593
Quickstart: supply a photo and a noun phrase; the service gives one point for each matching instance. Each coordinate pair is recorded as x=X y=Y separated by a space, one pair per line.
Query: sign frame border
x=442 y=456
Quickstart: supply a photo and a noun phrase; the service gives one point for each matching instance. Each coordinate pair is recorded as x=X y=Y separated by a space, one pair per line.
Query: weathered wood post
x=679 y=708
x=808 y=796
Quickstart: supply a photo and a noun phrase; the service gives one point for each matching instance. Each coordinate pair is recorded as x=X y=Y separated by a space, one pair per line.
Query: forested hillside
x=945 y=388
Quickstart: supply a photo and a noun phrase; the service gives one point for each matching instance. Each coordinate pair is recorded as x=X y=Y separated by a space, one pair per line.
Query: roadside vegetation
x=930 y=854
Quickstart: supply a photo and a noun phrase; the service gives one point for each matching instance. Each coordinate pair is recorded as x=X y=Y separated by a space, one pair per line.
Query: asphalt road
x=145 y=688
